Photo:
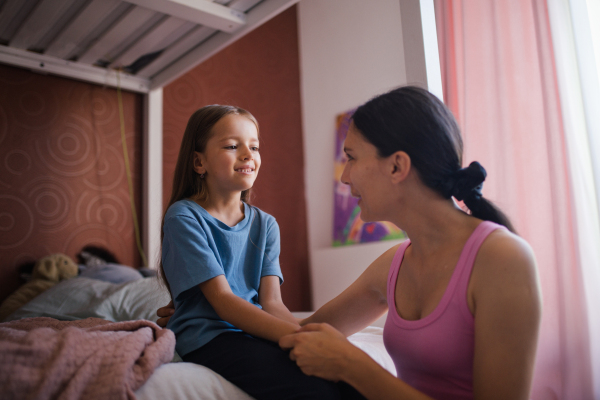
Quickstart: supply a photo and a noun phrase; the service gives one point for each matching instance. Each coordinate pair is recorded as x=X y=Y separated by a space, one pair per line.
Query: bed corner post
x=152 y=176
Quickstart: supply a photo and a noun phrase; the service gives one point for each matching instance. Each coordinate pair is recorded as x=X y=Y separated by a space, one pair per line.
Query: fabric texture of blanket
x=43 y=358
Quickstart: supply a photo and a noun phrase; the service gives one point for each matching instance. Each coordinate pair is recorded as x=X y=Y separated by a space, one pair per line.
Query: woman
x=462 y=294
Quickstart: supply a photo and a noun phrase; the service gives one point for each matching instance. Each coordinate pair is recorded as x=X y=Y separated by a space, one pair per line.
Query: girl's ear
x=400 y=165
x=198 y=165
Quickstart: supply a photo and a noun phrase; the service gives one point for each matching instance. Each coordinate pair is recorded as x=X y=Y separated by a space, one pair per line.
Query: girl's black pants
x=264 y=371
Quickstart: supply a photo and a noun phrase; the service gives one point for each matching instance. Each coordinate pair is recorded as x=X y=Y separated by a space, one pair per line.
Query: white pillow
x=78 y=298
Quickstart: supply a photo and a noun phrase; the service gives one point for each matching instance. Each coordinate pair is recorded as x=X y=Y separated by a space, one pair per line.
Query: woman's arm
x=506 y=296
x=320 y=350
x=362 y=302
x=269 y=297
x=243 y=315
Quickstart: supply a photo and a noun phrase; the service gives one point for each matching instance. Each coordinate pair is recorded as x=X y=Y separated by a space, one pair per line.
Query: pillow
x=108 y=272
x=82 y=297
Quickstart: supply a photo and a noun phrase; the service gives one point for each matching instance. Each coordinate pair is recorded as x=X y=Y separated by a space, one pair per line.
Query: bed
x=82 y=298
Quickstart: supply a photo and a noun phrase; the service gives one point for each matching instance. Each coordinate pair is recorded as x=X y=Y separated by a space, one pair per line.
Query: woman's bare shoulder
x=504 y=259
x=503 y=245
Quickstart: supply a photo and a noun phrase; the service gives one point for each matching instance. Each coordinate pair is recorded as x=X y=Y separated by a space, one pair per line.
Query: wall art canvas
x=348 y=228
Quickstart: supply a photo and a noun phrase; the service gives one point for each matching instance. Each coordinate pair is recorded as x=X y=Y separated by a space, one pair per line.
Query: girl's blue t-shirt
x=197 y=247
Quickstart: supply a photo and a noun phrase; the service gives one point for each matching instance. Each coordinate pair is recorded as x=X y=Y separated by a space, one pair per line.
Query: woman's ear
x=198 y=164
x=400 y=166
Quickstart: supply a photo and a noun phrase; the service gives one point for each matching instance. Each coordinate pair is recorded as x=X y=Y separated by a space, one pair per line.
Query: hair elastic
x=466 y=184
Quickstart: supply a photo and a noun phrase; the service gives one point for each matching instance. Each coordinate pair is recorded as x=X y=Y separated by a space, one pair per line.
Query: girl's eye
x=232 y=147
x=254 y=148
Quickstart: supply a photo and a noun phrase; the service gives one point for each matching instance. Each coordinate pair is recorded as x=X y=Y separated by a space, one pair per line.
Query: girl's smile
x=246 y=169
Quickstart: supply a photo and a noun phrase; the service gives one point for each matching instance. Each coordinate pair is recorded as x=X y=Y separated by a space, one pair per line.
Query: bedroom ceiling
x=151 y=42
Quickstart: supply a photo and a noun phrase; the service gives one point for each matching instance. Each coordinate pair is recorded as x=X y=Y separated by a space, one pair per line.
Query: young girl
x=220 y=262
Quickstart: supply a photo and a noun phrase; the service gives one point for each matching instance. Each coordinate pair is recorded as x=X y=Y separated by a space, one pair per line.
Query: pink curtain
x=500 y=81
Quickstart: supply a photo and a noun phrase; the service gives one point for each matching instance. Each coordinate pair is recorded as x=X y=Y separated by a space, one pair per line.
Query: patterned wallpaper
x=260 y=72
x=62 y=174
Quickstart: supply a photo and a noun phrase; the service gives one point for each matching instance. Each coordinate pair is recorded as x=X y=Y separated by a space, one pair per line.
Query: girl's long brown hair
x=186 y=182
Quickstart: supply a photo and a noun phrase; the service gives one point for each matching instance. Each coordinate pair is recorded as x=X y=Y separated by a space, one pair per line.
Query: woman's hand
x=165 y=314
x=320 y=350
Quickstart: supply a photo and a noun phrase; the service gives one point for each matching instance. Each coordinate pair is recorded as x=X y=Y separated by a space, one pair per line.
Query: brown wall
x=62 y=174
x=260 y=73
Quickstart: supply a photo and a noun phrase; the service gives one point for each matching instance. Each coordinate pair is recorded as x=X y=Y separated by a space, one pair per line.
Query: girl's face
x=364 y=173
x=231 y=158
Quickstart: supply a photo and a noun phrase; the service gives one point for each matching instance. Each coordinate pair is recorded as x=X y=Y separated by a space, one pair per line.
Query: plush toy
x=47 y=272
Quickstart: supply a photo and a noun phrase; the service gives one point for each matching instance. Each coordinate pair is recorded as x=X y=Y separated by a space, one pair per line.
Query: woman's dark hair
x=186 y=182
x=412 y=120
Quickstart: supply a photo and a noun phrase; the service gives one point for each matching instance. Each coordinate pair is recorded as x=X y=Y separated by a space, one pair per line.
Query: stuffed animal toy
x=47 y=272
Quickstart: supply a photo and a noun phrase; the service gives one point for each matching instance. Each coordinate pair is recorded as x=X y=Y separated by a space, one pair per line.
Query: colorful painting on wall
x=348 y=228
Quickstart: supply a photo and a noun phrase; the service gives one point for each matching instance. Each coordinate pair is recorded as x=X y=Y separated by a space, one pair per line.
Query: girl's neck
x=227 y=209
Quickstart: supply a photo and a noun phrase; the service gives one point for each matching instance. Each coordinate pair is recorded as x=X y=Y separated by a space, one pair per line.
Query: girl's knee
x=318 y=389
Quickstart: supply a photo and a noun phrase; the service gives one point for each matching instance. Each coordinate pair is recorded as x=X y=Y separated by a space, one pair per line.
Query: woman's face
x=365 y=174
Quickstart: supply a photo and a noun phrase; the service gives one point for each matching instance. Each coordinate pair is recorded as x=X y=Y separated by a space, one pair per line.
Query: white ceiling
x=150 y=42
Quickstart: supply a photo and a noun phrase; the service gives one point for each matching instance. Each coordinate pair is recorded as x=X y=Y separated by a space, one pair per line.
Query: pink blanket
x=43 y=358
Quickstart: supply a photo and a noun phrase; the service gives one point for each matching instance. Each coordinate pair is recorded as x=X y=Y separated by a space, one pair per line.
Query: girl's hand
x=165 y=314
x=320 y=350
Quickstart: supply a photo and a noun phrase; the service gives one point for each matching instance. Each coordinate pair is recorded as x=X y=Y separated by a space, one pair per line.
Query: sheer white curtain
x=575 y=26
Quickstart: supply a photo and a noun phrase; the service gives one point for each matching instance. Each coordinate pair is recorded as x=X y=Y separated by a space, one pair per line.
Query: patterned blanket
x=44 y=358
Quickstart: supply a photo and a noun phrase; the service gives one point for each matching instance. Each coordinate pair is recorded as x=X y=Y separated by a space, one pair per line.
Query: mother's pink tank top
x=435 y=354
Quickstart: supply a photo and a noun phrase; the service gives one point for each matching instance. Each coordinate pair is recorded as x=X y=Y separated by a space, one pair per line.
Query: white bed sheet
x=187 y=381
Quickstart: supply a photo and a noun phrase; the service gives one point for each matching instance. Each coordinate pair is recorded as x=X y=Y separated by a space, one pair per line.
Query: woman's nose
x=344 y=178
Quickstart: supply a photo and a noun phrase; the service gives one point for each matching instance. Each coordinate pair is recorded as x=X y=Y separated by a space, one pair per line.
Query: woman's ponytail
x=465 y=185
x=487 y=211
